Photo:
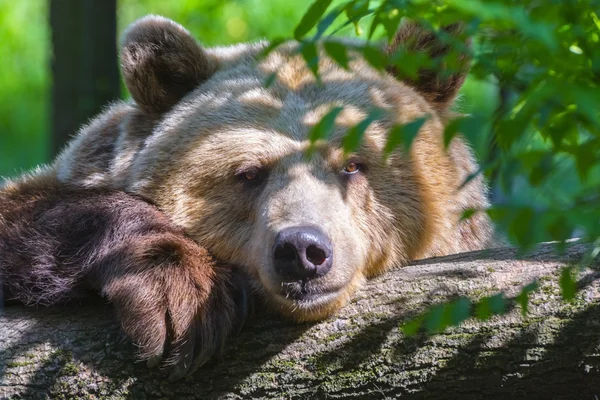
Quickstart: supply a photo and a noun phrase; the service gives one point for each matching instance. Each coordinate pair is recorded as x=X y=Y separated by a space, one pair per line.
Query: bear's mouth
x=305 y=292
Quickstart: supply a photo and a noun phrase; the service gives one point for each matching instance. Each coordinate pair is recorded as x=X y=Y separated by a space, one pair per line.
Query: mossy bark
x=360 y=353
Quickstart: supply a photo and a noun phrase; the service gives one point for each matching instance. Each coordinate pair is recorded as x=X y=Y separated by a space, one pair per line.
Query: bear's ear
x=439 y=85
x=161 y=63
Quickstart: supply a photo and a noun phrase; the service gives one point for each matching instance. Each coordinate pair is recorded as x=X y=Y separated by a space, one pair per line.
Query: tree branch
x=360 y=353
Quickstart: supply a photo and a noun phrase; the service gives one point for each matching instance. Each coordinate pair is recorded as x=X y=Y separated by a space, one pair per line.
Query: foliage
x=544 y=132
x=24 y=79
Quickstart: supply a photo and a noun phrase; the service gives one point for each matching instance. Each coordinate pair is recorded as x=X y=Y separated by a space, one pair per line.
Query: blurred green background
x=25 y=74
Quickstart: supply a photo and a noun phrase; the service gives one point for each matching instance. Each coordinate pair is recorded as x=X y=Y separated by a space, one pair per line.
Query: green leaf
x=389 y=15
x=523 y=297
x=357 y=9
x=469 y=179
x=567 y=284
x=355 y=134
x=451 y=130
x=541 y=170
x=459 y=311
x=403 y=135
x=470 y=127
x=391 y=21
x=407 y=65
x=497 y=304
x=434 y=320
x=338 y=52
x=559 y=228
x=311 y=18
x=522 y=227
x=468 y=213
x=489 y=306
x=328 y=20
x=413 y=326
x=323 y=129
x=273 y=44
x=311 y=57
x=482 y=311
x=586 y=157
x=374 y=24
x=270 y=79
x=357 y=29
x=375 y=57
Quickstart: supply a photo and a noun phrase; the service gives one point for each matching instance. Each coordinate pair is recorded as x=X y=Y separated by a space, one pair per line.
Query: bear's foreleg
x=174 y=301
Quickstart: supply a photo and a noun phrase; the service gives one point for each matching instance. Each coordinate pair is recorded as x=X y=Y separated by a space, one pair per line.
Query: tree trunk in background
x=553 y=353
x=84 y=64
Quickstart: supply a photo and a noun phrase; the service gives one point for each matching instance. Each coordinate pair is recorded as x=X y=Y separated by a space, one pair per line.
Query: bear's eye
x=251 y=175
x=353 y=167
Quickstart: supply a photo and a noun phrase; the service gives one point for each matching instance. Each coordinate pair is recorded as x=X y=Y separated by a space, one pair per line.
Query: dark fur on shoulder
x=173 y=299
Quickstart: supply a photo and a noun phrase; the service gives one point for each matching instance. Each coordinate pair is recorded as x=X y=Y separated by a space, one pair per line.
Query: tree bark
x=360 y=353
x=85 y=74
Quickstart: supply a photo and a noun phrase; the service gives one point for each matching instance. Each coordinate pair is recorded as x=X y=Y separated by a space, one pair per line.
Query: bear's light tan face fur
x=189 y=160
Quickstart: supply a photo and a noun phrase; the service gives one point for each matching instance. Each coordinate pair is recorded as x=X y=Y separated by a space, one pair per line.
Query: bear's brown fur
x=59 y=243
x=224 y=157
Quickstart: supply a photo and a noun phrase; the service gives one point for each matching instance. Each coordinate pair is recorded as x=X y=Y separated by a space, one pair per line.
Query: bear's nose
x=302 y=252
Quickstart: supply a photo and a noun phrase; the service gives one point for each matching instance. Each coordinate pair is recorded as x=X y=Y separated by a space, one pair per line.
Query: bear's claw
x=207 y=337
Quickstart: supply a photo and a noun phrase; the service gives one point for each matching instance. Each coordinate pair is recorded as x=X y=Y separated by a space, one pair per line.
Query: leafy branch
x=545 y=134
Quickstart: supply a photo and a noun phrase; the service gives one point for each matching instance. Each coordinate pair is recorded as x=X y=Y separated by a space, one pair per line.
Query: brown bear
x=222 y=158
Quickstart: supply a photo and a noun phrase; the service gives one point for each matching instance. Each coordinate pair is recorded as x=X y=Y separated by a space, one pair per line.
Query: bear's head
x=227 y=158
